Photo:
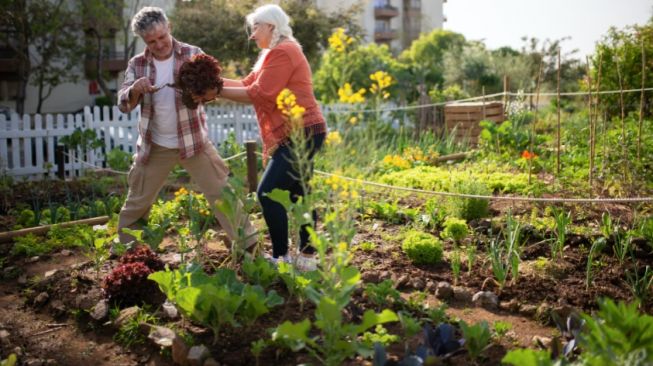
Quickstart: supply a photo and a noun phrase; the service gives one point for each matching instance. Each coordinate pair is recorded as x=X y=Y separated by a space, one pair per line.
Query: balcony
x=385 y=11
x=384 y=34
x=9 y=64
x=112 y=62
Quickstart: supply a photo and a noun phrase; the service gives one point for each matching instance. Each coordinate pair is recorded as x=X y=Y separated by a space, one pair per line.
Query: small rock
x=41 y=299
x=100 y=310
x=512 y=305
x=528 y=310
x=58 y=308
x=418 y=284
x=179 y=350
x=18 y=351
x=211 y=362
x=430 y=286
x=33 y=259
x=4 y=337
x=66 y=253
x=22 y=280
x=88 y=300
x=486 y=299
x=462 y=294
x=51 y=273
x=125 y=315
x=402 y=281
x=170 y=310
x=444 y=291
x=371 y=277
x=543 y=342
x=385 y=275
x=197 y=355
x=162 y=336
x=171 y=259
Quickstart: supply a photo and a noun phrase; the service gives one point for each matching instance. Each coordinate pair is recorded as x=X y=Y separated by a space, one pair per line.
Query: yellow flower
x=287 y=104
x=347 y=94
x=382 y=80
x=396 y=161
x=338 y=41
x=353 y=120
x=333 y=138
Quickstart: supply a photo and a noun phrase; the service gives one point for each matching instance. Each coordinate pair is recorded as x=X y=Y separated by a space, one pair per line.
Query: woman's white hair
x=271 y=14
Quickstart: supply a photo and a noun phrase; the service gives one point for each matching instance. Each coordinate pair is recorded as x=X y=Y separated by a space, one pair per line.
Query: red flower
x=528 y=155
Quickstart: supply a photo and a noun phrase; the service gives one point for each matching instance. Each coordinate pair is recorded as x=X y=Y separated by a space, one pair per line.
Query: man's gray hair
x=147 y=18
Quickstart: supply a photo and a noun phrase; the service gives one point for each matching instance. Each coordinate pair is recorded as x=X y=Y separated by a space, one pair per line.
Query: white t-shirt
x=164 y=127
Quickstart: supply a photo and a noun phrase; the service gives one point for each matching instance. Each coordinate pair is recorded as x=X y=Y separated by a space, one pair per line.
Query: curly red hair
x=198 y=75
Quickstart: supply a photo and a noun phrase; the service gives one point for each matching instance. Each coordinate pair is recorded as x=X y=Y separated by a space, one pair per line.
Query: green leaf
x=371 y=319
x=280 y=196
x=295 y=335
x=527 y=357
x=166 y=282
x=327 y=312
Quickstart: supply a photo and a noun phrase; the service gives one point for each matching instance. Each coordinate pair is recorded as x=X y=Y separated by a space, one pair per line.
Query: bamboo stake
x=623 y=121
x=558 y=135
x=605 y=132
x=596 y=107
x=641 y=102
x=537 y=103
x=38 y=230
x=589 y=114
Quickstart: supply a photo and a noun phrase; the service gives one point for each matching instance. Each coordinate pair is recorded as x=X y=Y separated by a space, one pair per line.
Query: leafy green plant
x=597 y=247
x=528 y=357
x=382 y=294
x=471 y=256
x=617 y=335
x=129 y=333
x=380 y=335
x=640 y=285
x=367 y=246
x=119 y=160
x=476 y=336
x=562 y=221
x=513 y=242
x=468 y=208
x=456 y=262
x=296 y=282
x=257 y=348
x=260 y=271
x=410 y=326
x=214 y=300
x=455 y=229
x=422 y=248
x=501 y=328
x=390 y=212
x=433 y=214
x=97 y=246
x=499 y=260
x=30 y=245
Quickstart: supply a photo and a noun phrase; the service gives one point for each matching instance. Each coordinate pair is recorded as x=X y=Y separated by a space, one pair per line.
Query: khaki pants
x=206 y=168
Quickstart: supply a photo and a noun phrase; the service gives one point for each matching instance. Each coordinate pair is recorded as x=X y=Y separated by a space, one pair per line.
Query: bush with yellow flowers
x=343 y=189
x=287 y=104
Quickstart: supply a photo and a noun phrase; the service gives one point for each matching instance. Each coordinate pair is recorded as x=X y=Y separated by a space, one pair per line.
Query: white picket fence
x=28 y=143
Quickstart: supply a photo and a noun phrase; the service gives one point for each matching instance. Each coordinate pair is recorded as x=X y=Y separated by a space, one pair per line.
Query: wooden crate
x=465 y=118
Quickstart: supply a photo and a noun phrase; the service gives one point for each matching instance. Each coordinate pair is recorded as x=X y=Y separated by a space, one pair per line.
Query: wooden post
x=641 y=102
x=596 y=107
x=506 y=89
x=483 y=91
x=39 y=230
x=60 y=161
x=589 y=114
x=558 y=135
x=623 y=120
x=252 y=171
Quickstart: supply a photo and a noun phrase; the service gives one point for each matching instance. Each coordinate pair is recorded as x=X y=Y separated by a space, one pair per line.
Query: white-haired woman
x=281 y=64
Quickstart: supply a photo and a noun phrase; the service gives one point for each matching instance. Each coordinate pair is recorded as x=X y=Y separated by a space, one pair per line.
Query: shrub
x=455 y=229
x=468 y=208
x=128 y=285
x=422 y=248
x=29 y=246
x=144 y=255
x=119 y=160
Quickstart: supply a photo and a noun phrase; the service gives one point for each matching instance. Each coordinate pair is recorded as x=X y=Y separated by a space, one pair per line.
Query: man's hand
x=140 y=87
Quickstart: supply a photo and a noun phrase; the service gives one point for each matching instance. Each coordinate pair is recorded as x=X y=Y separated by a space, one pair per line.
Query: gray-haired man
x=169 y=133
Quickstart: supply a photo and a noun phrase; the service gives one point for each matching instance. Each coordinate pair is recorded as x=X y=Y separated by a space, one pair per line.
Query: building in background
x=396 y=23
x=393 y=22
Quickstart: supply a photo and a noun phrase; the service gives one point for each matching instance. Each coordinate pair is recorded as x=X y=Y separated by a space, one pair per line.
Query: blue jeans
x=280 y=173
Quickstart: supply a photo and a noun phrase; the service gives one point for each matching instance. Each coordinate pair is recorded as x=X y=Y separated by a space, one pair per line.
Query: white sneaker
x=306 y=264
x=275 y=261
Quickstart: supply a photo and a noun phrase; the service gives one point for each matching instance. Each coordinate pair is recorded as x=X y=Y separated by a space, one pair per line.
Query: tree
x=56 y=45
x=102 y=19
x=45 y=42
x=218 y=27
x=623 y=49
x=424 y=58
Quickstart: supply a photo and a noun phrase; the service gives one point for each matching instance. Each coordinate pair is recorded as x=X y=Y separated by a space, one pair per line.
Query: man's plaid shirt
x=191 y=123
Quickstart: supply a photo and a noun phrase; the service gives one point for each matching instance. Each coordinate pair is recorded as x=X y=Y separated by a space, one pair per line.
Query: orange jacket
x=284 y=66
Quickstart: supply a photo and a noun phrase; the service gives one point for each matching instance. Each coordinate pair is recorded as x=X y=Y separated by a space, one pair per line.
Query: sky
x=504 y=22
